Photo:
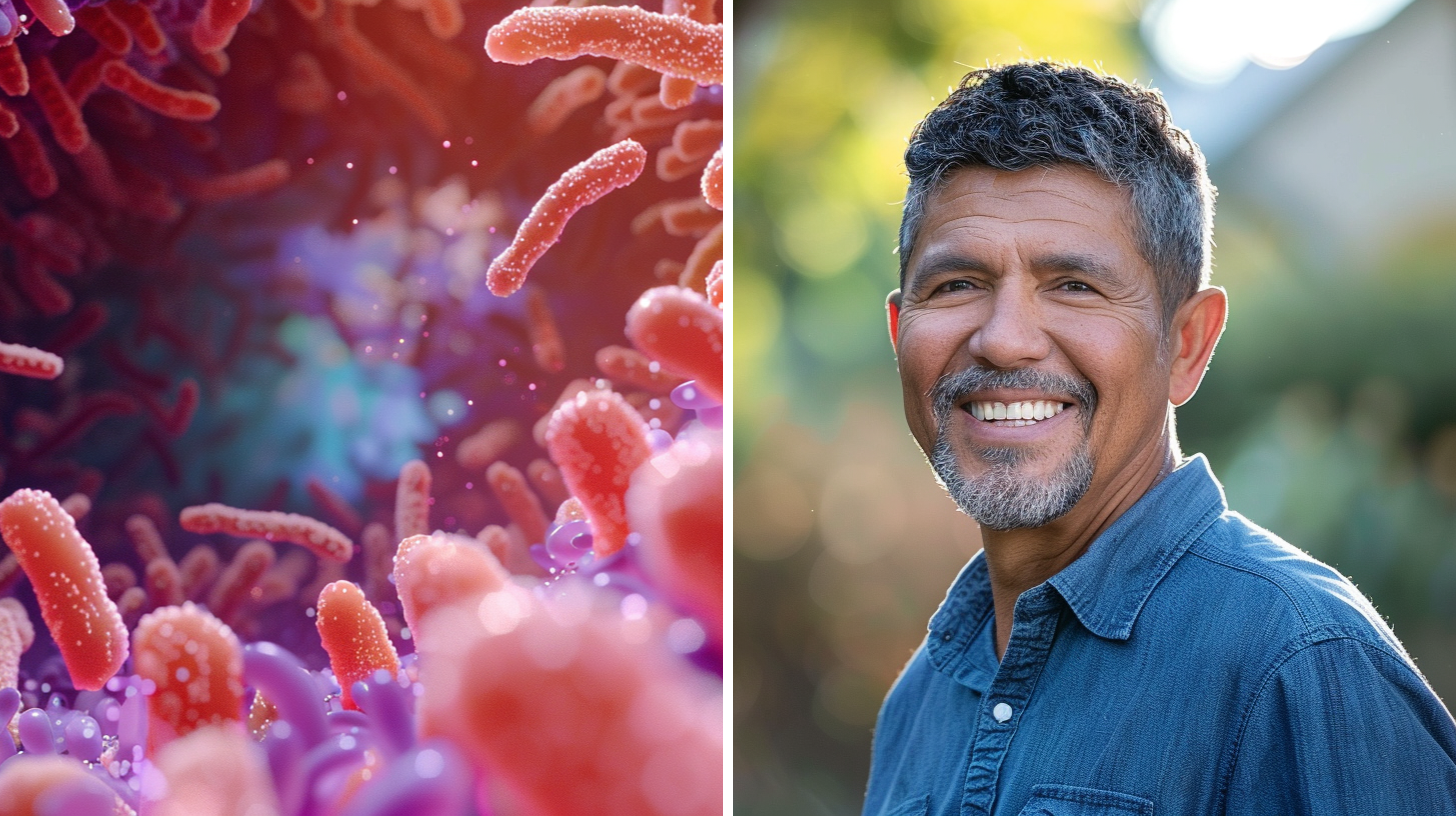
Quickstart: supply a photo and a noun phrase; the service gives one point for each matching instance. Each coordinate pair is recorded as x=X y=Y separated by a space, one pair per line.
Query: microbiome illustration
x=361 y=408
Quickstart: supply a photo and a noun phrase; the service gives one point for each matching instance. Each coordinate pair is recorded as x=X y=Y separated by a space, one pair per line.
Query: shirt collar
x=1108 y=585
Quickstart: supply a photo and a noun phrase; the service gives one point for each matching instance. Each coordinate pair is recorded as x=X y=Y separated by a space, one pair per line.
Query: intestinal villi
x=360 y=408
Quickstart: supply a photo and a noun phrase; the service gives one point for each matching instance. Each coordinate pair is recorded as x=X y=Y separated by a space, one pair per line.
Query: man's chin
x=1011 y=488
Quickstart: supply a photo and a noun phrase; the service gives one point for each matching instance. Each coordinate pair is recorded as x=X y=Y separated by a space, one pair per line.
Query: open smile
x=1014 y=414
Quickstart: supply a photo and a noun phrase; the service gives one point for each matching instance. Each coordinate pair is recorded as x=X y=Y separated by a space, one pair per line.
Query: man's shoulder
x=1298 y=599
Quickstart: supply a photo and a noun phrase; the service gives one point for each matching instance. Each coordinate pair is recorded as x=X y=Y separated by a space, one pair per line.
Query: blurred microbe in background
x=357 y=458
x=1327 y=411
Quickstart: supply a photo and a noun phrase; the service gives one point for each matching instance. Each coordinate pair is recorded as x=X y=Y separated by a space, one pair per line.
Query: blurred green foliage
x=1327 y=412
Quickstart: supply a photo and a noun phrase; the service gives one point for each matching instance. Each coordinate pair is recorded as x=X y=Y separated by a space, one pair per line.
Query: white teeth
x=1026 y=412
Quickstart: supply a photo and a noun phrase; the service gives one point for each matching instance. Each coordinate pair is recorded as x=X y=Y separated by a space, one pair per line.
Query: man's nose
x=1012 y=335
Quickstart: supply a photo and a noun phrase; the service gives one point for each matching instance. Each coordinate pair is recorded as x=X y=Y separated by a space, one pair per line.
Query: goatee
x=1005 y=497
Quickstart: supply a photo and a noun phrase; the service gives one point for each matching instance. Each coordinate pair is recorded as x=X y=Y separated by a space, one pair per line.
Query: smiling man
x=1124 y=643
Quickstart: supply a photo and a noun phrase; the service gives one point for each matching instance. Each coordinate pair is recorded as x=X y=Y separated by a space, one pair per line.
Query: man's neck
x=1018 y=560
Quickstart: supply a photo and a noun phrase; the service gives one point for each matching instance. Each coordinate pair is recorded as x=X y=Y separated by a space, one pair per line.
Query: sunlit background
x=1330 y=409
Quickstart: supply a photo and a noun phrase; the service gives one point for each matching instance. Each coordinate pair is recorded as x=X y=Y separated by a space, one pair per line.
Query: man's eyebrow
x=938 y=263
x=1089 y=265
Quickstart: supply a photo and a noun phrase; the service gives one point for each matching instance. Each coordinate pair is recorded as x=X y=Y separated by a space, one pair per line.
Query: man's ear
x=892 y=310
x=1195 y=331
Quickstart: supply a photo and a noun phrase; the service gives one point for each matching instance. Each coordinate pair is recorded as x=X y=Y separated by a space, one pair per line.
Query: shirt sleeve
x=1345 y=727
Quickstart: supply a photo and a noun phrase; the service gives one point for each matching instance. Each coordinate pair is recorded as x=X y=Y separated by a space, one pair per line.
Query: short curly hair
x=1040 y=114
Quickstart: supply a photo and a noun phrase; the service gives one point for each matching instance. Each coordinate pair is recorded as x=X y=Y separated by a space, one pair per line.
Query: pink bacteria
x=196 y=664
x=60 y=564
x=598 y=440
x=609 y=168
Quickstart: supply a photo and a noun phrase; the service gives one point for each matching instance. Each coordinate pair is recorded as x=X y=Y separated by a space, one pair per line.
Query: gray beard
x=1005 y=498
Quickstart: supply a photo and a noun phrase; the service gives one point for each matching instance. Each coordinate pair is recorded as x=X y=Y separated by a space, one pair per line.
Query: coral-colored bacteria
x=568 y=689
x=14 y=78
x=196 y=662
x=675 y=46
x=436 y=571
x=715 y=285
x=412 y=500
x=146 y=538
x=606 y=170
x=192 y=106
x=142 y=24
x=353 y=634
x=58 y=107
x=26 y=151
x=215 y=769
x=67 y=578
x=99 y=22
x=563 y=96
x=164 y=583
x=17 y=633
x=519 y=501
x=676 y=503
x=216 y=24
x=235 y=584
x=54 y=14
x=29 y=362
x=682 y=330
x=546 y=344
x=323 y=540
x=259 y=178
x=713 y=181
x=598 y=440
x=628 y=366
x=488 y=444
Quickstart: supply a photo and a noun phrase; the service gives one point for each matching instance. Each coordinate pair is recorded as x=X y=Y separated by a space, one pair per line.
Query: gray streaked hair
x=1043 y=114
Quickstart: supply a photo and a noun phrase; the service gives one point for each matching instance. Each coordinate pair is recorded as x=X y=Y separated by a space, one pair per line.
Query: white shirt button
x=1001 y=712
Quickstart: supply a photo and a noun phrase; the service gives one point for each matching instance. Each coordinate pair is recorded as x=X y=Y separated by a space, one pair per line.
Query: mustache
x=952 y=389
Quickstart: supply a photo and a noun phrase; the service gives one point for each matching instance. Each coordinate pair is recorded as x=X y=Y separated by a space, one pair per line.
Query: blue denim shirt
x=1189 y=662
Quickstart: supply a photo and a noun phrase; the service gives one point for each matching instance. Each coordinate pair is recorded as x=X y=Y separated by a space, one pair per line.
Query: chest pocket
x=1064 y=800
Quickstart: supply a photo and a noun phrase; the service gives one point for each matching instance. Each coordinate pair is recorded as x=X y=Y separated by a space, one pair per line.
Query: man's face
x=1026 y=296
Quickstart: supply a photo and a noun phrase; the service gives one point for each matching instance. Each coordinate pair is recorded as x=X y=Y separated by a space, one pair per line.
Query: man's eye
x=1075 y=286
x=958 y=285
